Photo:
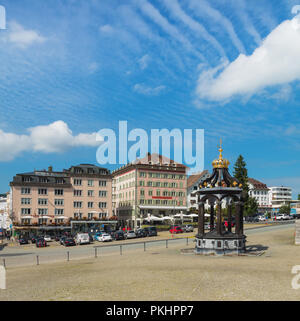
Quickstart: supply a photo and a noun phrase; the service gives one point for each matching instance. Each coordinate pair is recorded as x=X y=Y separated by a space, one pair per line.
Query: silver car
x=188 y=228
x=130 y=235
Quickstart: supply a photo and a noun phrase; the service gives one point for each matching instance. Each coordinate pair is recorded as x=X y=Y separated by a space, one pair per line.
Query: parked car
x=176 y=230
x=33 y=239
x=47 y=238
x=105 y=237
x=82 y=238
x=41 y=242
x=252 y=219
x=23 y=240
x=130 y=234
x=61 y=240
x=261 y=218
x=282 y=217
x=140 y=232
x=57 y=238
x=151 y=230
x=118 y=235
x=69 y=242
x=188 y=228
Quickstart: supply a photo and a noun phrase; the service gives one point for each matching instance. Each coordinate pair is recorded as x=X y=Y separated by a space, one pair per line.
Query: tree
x=285 y=209
x=298 y=197
x=250 y=207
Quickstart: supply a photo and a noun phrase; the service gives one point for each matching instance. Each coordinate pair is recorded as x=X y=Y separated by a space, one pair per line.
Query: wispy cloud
x=56 y=137
x=177 y=12
x=275 y=62
x=144 y=61
x=149 y=91
x=21 y=37
x=154 y=14
x=203 y=8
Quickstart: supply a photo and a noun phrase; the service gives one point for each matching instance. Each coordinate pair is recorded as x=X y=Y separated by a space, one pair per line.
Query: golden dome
x=220 y=162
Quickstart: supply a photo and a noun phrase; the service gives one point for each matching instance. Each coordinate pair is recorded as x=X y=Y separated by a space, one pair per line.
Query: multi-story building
x=260 y=192
x=278 y=196
x=193 y=183
x=154 y=185
x=47 y=197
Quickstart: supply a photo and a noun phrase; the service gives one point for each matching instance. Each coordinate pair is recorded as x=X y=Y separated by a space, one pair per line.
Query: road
x=30 y=255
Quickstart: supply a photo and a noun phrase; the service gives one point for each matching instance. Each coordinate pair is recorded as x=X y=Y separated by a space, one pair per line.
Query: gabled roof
x=193 y=179
x=257 y=184
x=156 y=159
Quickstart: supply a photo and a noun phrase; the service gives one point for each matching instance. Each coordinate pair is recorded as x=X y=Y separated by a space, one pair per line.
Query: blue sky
x=70 y=68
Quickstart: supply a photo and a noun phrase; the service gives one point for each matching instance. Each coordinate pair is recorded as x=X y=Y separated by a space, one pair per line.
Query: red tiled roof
x=257 y=184
x=192 y=179
x=156 y=159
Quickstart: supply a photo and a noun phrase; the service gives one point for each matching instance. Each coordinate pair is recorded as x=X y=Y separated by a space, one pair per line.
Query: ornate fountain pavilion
x=220 y=188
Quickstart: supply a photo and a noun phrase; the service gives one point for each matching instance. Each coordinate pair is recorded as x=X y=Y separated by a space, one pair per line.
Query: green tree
x=285 y=209
x=240 y=172
x=251 y=206
x=298 y=197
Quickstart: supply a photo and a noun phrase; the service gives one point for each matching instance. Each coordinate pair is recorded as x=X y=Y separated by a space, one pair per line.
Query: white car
x=104 y=237
x=82 y=238
x=282 y=217
x=130 y=235
x=47 y=238
x=261 y=218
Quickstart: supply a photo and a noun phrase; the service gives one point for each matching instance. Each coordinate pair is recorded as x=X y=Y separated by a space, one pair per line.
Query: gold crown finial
x=220 y=149
x=220 y=163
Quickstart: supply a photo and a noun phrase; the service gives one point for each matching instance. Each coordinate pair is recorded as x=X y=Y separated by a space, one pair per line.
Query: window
x=78 y=215
x=59 y=220
x=25 y=190
x=58 y=192
x=102 y=204
x=142 y=183
x=25 y=201
x=43 y=201
x=102 y=183
x=59 y=202
x=77 y=182
x=59 y=211
x=77 y=204
x=158 y=193
x=142 y=174
x=149 y=183
x=43 y=211
x=142 y=192
x=90 y=204
x=102 y=193
x=90 y=182
x=157 y=184
x=77 y=192
x=59 y=180
x=42 y=221
x=150 y=193
x=90 y=193
x=90 y=216
x=42 y=191
x=25 y=211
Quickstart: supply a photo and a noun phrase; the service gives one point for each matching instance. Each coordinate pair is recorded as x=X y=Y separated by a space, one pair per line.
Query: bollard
x=120 y=249
x=166 y=244
x=187 y=241
x=95 y=252
x=37 y=260
x=144 y=246
x=4 y=263
x=68 y=256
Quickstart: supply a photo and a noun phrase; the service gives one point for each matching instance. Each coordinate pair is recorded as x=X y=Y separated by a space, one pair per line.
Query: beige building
x=47 y=197
x=154 y=185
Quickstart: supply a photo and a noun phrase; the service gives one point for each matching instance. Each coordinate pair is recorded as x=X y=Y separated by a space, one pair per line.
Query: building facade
x=279 y=196
x=260 y=192
x=154 y=185
x=47 y=197
x=193 y=183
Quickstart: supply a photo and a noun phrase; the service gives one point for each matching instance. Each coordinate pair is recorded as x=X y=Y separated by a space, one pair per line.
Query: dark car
x=33 y=239
x=69 y=242
x=23 y=240
x=151 y=231
x=141 y=232
x=118 y=235
x=252 y=219
x=40 y=242
x=61 y=240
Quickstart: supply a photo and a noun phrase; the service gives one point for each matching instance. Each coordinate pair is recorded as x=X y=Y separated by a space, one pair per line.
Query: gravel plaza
x=166 y=274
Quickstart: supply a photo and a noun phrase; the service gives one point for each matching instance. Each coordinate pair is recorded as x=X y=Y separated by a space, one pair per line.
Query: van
x=82 y=238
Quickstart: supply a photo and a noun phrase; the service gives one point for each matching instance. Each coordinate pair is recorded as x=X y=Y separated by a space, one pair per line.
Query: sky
x=71 y=68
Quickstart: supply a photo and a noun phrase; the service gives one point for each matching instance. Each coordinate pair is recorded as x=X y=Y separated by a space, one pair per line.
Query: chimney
x=149 y=157
x=160 y=159
x=50 y=169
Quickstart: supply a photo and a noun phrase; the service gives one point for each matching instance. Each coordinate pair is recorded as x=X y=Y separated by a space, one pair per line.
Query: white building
x=260 y=192
x=279 y=195
x=193 y=183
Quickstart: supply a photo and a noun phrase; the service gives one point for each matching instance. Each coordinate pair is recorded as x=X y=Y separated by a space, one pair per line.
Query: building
x=193 y=183
x=278 y=196
x=47 y=197
x=260 y=192
x=153 y=185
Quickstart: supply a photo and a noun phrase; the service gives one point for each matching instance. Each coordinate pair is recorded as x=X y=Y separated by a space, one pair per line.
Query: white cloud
x=275 y=62
x=56 y=137
x=21 y=37
x=144 y=61
x=150 y=91
x=106 y=29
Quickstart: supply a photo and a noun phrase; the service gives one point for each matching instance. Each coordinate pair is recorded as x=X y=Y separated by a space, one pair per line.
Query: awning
x=154 y=218
x=26 y=216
